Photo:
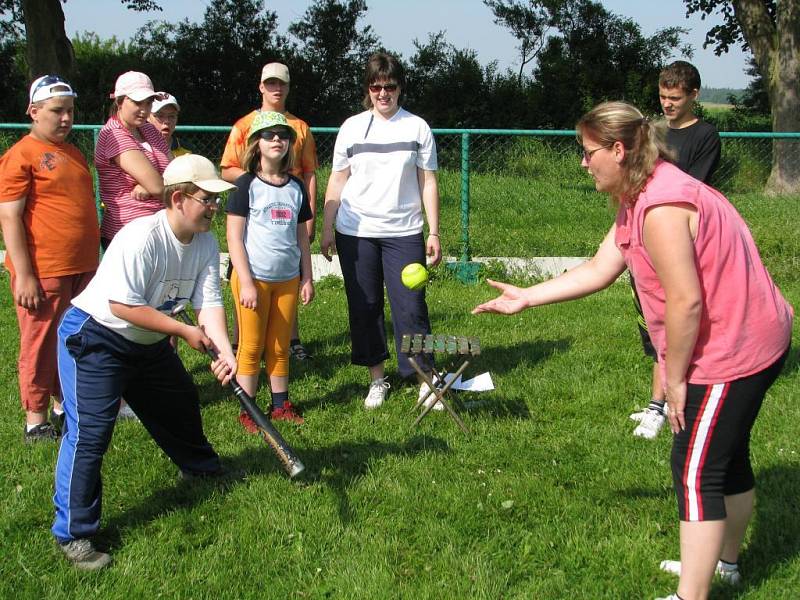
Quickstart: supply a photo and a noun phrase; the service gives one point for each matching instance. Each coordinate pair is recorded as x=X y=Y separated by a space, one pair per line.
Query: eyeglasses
x=269 y=134
x=211 y=202
x=386 y=87
x=166 y=117
x=588 y=154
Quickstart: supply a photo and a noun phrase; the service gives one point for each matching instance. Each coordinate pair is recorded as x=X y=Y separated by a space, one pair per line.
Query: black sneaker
x=58 y=421
x=43 y=432
x=84 y=556
x=298 y=351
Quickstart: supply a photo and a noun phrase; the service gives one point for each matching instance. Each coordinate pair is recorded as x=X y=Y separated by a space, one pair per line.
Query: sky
x=467 y=23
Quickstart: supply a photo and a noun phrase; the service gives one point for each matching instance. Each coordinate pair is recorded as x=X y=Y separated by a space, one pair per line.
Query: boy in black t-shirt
x=697 y=148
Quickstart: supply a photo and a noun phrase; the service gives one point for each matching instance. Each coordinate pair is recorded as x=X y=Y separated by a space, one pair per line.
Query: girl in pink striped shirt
x=130 y=156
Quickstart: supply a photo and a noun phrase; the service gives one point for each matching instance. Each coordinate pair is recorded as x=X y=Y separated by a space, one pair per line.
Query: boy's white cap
x=166 y=100
x=196 y=169
x=136 y=86
x=49 y=86
x=275 y=70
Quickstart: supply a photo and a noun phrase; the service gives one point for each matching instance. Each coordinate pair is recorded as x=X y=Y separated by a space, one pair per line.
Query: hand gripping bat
x=291 y=463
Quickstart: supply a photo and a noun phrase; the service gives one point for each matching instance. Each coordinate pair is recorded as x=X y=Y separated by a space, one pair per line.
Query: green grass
x=550 y=497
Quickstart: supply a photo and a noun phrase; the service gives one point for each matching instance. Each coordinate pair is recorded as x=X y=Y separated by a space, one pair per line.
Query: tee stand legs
x=438 y=393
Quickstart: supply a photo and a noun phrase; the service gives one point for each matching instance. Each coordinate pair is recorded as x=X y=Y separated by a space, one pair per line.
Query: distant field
x=716 y=106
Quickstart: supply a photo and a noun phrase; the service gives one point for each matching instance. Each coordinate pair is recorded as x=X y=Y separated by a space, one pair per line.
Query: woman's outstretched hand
x=510 y=302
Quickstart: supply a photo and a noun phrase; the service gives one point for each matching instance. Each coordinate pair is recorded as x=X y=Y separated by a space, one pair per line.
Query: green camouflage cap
x=268 y=120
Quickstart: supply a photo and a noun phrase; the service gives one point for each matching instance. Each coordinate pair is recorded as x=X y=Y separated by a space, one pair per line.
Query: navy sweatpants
x=367 y=264
x=96 y=366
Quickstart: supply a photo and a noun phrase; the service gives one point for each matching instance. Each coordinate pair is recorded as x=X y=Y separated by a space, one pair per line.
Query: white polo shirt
x=382 y=195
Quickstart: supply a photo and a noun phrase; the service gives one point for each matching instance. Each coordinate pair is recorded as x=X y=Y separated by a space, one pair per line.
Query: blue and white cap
x=49 y=86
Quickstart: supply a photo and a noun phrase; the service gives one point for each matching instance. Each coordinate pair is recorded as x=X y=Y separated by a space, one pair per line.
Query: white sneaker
x=378 y=390
x=424 y=390
x=650 y=424
x=638 y=416
x=726 y=574
x=670 y=597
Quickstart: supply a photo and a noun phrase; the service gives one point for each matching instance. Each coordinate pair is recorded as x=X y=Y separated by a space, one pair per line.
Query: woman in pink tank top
x=719 y=324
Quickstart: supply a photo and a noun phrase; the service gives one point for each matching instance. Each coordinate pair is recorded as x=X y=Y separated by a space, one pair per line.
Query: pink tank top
x=745 y=323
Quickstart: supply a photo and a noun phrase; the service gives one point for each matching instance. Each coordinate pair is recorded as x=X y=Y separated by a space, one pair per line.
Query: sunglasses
x=386 y=87
x=211 y=202
x=269 y=134
x=48 y=80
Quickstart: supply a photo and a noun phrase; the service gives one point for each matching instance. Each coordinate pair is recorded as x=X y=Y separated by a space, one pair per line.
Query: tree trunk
x=784 y=97
x=49 y=50
x=776 y=48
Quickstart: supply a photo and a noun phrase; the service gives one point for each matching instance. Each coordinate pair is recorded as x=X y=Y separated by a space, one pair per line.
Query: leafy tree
x=49 y=49
x=12 y=49
x=598 y=56
x=213 y=67
x=329 y=64
x=97 y=65
x=771 y=30
x=530 y=22
x=755 y=98
x=448 y=87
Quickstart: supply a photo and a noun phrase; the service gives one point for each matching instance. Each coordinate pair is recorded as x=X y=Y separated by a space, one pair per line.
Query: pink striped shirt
x=116 y=184
x=745 y=324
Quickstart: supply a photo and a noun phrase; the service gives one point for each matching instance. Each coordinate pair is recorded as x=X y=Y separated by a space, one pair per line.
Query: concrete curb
x=539 y=266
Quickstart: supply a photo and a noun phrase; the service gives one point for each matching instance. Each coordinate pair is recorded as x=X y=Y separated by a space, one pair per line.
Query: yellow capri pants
x=265 y=331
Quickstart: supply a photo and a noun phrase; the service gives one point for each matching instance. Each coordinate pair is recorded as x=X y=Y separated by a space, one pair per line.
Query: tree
x=97 y=64
x=48 y=47
x=329 y=65
x=530 y=22
x=771 y=30
x=594 y=56
x=12 y=48
x=218 y=61
x=448 y=87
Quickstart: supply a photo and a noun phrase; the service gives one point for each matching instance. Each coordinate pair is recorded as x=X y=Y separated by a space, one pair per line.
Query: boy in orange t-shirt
x=274 y=88
x=52 y=238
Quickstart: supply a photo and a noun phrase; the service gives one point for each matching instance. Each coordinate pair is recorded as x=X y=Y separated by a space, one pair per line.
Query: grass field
x=551 y=497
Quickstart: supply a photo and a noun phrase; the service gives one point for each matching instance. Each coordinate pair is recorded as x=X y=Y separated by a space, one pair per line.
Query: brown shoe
x=286 y=413
x=82 y=553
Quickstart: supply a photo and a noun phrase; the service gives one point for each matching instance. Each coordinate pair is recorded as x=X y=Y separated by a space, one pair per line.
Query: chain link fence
x=495 y=182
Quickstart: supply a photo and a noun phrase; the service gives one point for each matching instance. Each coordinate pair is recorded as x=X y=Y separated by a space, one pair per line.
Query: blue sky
x=468 y=24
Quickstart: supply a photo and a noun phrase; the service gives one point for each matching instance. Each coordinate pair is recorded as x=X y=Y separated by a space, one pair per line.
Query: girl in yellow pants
x=268 y=243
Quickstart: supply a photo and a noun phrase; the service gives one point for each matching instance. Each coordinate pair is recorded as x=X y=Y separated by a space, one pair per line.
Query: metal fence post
x=466 y=251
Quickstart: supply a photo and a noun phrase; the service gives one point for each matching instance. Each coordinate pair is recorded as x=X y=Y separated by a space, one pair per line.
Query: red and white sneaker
x=286 y=413
x=247 y=422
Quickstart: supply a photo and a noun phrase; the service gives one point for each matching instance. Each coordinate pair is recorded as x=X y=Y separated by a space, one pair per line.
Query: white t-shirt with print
x=147 y=265
x=382 y=196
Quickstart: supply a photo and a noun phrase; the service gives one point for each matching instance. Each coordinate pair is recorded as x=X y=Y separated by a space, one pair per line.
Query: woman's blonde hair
x=251 y=161
x=644 y=142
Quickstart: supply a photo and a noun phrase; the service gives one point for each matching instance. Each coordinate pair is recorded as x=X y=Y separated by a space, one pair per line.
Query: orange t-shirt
x=305 y=148
x=60 y=217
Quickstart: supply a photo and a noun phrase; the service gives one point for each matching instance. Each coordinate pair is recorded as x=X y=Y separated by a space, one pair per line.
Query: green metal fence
x=478 y=166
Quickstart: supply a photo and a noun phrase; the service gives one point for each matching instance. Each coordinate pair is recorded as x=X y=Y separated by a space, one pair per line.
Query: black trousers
x=367 y=265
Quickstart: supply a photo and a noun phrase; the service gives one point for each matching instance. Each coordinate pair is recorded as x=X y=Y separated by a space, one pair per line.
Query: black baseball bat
x=290 y=461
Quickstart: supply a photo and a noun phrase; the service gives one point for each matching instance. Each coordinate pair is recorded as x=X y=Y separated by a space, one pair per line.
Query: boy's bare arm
x=27 y=291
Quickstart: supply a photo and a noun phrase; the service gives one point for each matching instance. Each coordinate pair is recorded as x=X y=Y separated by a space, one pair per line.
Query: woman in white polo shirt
x=384 y=175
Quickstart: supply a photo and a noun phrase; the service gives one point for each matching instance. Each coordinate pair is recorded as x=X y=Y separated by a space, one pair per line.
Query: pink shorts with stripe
x=711 y=457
